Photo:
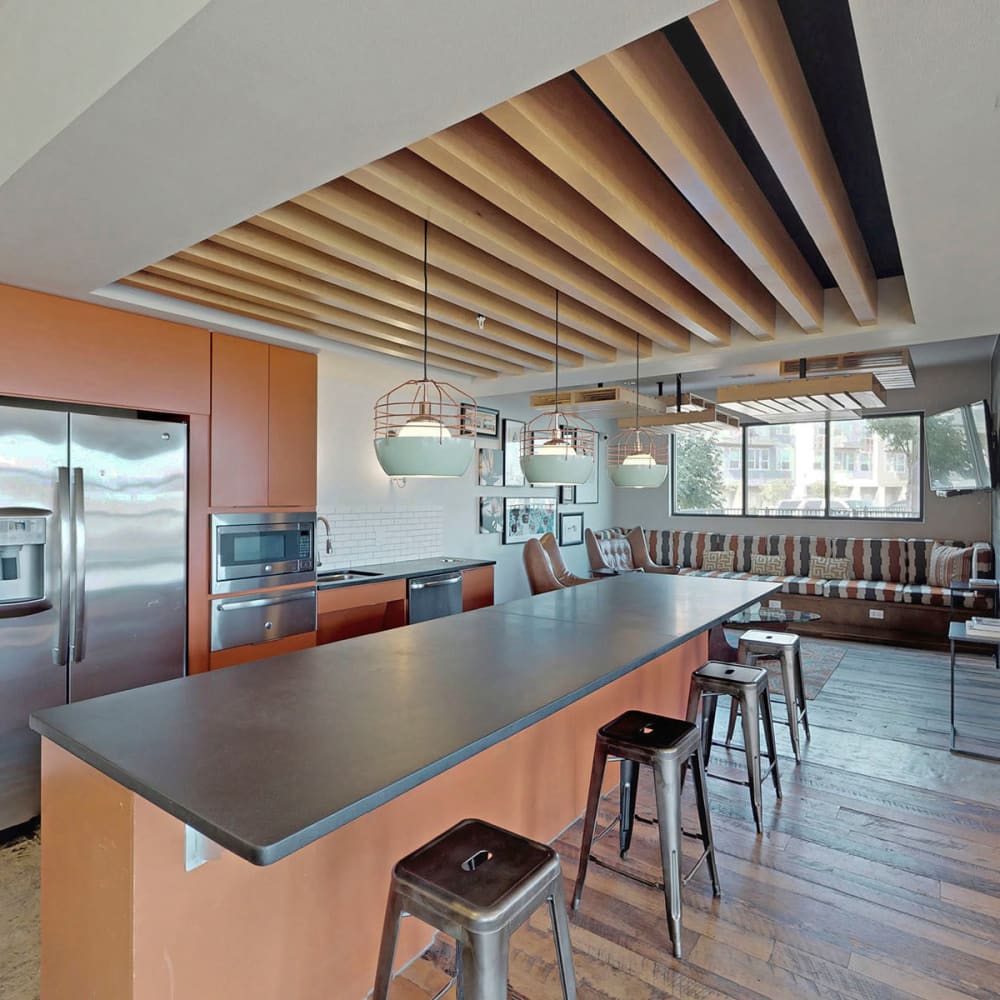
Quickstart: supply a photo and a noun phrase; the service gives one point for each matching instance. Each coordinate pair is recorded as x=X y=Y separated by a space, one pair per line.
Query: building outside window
x=875 y=469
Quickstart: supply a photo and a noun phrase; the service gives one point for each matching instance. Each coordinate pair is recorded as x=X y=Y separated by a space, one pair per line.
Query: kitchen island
x=316 y=770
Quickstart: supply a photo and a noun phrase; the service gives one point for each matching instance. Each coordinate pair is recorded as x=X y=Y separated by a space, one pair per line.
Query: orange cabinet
x=291 y=435
x=477 y=588
x=263 y=425
x=261 y=650
x=346 y=612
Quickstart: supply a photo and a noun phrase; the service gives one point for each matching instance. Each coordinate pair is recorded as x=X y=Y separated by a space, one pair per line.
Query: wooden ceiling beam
x=483 y=158
x=407 y=180
x=274 y=276
x=750 y=45
x=264 y=246
x=230 y=303
x=250 y=291
x=383 y=246
x=646 y=87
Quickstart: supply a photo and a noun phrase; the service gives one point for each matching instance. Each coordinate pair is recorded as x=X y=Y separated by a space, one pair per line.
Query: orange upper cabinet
x=291 y=476
x=263 y=425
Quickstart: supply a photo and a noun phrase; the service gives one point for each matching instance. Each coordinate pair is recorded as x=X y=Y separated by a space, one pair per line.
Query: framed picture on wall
x=491 y=467
x=589 y=492
x=491 y=515
x=567 y=494
x=487 y=421
x=527 y=517
x=512 y=473
x=571 y=528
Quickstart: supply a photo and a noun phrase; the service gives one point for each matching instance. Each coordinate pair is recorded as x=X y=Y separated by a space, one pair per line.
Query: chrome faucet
x=328 y=547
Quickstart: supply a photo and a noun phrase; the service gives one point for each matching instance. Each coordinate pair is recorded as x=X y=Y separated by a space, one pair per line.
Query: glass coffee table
x=776 y=618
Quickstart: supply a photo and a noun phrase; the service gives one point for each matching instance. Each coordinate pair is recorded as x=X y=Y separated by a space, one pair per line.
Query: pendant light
x=637 y=460
x=425 y=428
x=557 y=449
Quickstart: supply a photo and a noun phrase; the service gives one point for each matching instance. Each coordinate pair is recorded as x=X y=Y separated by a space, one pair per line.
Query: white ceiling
x=168 y=125
x=248 y=103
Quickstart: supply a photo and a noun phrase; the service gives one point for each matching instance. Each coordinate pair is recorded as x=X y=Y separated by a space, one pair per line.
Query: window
x=708 y=472
x=875 y=469
x=773 y=489
x=896 y=477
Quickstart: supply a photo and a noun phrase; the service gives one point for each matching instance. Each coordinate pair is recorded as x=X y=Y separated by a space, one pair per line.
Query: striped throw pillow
x=949 y=563
x=829 y=568
x=722 y=561
x=761 y=565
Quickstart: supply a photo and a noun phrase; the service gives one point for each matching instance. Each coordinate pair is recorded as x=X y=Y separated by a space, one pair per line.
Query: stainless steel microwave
x=255 y=550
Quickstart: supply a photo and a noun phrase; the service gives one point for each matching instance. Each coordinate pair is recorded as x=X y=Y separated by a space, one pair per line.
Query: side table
x=957 y=633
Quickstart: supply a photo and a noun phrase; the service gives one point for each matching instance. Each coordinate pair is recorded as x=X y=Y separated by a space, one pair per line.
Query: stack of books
x=983 y=628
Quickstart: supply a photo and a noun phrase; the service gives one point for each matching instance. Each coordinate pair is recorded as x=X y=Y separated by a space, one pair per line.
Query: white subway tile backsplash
x=361 y=535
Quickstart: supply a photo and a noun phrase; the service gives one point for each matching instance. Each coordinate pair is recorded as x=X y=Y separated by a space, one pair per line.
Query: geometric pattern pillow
x=949 y=563
x=761 y=565
x=722 y=561
x=829 y=568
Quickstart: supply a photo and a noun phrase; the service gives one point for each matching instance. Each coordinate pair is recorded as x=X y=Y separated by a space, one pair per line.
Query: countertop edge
x=458 y=565
x=267 y=854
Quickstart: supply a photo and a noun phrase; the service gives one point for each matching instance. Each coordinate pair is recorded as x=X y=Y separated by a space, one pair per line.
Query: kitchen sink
x=342 y=575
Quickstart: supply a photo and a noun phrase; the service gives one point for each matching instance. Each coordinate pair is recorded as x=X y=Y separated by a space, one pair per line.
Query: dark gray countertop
x=407 y=569
x=267 y=757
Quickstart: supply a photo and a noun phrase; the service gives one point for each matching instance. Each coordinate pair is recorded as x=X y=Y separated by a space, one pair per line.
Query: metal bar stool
x=478 y=884
x=785 y=648
x=667 y=745
x=747 y=686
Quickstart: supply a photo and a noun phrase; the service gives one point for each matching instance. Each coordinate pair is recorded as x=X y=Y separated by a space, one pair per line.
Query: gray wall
x=995 y=407
x=349 y=474
x=968 y=518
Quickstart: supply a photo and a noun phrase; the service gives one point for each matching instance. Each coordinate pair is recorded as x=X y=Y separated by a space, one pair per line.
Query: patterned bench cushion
x=922 y=593
x=873 y=559
x=918 y=558
x=865 y=590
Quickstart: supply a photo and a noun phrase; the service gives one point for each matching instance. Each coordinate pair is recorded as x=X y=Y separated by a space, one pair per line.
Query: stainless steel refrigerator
x=93 y=566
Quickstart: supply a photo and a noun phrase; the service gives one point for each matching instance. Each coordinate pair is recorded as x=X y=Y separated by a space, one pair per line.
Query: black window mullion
x=826 y=464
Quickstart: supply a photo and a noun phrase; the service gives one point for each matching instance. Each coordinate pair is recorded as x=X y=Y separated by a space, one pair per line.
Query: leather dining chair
x=541 y=578
x=559 y=568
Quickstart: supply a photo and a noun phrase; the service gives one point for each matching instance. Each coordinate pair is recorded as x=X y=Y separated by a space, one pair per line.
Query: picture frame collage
x=517 y=518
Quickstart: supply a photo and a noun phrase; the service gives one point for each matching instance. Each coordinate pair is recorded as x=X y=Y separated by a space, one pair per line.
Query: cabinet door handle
x=266 y=602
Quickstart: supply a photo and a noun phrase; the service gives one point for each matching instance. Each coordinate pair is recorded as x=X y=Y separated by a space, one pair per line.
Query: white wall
x=352 y=484
x=967 y=518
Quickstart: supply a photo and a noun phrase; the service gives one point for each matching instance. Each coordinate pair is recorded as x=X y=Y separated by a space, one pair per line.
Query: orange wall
x=308 y=927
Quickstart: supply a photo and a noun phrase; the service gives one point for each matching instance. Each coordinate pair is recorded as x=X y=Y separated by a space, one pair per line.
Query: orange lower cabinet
x=477 y=588
x=346 y=612
x=261 y=650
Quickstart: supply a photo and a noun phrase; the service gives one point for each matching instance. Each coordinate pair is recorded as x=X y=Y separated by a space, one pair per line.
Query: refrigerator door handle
x=78 y=648
x=60 y=653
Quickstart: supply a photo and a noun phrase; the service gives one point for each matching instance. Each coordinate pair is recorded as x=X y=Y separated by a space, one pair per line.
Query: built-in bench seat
x=888 y=573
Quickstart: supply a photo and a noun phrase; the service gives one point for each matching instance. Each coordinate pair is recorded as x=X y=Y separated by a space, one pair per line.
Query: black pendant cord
x=637 y=387
x=426 y=227
x=557 y=412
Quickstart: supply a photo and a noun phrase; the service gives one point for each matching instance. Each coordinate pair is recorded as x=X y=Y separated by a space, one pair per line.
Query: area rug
x=19 y=914
x=819 y=661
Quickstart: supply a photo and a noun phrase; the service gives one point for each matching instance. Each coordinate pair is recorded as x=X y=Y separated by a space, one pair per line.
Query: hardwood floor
x=878 y=877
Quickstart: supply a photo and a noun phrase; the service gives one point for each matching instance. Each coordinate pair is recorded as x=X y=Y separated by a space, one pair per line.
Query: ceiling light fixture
x=805 y=398
x=637 y=460
x=425 y=428
x=558 y=449
x=893 y=367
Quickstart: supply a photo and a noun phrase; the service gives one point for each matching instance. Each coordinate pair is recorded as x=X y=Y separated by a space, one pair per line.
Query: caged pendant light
x=557 y=449
x=637 y=460
x=425 y=428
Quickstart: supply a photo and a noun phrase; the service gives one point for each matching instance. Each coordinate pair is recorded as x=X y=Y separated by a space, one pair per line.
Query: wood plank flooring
x=878 y=877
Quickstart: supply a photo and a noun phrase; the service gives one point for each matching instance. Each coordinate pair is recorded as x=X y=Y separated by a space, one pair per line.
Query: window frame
x=825 y=516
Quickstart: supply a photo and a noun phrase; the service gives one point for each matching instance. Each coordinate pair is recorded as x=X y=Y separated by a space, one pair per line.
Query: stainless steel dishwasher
x=434 y=597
